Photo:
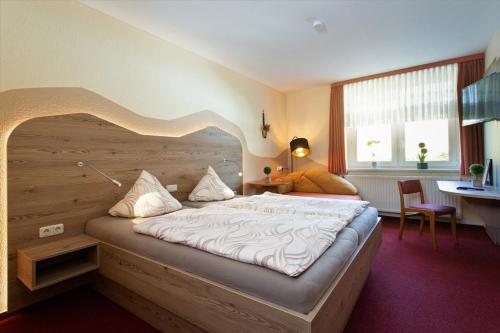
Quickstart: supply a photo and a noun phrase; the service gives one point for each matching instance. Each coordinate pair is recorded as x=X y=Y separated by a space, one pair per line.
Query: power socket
x=171 y=188
x=51 y=230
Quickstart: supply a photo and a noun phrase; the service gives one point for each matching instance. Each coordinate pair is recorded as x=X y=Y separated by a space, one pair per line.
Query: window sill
x=404 y=172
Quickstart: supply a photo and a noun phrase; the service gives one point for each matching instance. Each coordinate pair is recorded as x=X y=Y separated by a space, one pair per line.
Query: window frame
x=398 y=150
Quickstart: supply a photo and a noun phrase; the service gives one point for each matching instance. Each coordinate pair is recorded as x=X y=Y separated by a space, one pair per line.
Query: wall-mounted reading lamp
x=86 y=164
x=226 y=161
x=299 y=147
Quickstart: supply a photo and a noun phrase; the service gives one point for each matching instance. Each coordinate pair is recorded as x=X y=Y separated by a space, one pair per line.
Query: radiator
x=382 y=191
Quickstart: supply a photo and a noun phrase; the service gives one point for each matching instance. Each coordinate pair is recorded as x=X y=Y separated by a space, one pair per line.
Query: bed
x=300 y=294
x=201 y=287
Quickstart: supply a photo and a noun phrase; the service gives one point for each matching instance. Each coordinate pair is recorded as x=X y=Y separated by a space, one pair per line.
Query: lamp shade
x=299 y=147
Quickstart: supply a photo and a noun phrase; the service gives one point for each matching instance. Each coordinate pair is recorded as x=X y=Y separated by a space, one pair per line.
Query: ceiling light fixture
x=319 y=26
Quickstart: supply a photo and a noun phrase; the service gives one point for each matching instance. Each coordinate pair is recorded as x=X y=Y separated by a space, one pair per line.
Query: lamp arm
x=114 y=181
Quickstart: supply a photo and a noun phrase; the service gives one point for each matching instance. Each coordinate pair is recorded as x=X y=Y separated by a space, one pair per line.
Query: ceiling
x=274 y=42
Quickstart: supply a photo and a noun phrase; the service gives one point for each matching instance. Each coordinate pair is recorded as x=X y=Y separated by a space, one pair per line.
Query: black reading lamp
x=299 y=147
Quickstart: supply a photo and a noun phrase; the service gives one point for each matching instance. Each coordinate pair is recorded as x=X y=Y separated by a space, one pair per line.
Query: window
x=387 y=118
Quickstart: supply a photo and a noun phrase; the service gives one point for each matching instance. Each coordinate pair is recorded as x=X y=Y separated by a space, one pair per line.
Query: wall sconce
x=299 y=147
x=86 y=164
x=265 y=127
x=226 y=161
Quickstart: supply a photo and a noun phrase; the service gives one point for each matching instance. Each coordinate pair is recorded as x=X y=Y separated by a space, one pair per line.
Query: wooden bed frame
x=171 y=299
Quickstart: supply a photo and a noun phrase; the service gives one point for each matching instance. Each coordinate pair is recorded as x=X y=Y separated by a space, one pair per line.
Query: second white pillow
x=211 y=188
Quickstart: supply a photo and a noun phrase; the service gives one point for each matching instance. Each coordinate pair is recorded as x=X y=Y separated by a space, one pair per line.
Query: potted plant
x=267 y=172
x=422 y=164
x=371 y=145
x=476 y=170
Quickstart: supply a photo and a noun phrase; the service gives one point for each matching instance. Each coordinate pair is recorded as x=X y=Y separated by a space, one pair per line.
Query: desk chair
x=423 y=210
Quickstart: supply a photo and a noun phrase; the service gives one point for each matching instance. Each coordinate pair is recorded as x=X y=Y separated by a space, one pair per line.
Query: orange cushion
x=315 y=181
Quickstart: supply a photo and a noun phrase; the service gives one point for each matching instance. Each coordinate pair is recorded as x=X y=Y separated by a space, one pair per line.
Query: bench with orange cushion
x=319 y=184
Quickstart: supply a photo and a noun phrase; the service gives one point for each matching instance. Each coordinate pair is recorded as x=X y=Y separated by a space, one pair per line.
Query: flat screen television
x=481 y=100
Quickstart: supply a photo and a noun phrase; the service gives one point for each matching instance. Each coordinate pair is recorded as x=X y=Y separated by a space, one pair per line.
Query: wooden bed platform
x=171 y=299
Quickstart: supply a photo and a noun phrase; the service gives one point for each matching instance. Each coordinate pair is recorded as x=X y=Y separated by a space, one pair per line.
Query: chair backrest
x=409 y=187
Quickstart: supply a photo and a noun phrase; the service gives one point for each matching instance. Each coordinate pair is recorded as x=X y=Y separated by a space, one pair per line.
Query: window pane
x=374 y=143
x=434 y=133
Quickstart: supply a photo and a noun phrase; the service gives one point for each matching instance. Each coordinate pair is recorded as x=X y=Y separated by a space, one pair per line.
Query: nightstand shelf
x=273 y=186
x=50 y=263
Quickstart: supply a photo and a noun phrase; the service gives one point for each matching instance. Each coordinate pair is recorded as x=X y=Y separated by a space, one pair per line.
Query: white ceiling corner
x=274 y=42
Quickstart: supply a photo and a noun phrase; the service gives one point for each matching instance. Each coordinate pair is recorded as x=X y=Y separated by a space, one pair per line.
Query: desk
x=487 y=203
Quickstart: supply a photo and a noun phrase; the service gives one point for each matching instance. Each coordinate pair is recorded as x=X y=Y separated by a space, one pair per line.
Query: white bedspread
x=268 y=202
x=286 y=242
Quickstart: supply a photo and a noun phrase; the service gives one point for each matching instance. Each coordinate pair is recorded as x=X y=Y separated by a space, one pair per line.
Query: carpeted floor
x=411 y=289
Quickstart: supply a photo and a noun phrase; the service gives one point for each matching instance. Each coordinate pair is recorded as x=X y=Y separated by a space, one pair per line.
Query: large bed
x=300 y=294
x=225 y=295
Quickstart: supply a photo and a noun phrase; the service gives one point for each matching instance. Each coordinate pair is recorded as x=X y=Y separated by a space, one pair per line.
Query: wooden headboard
x=45 y=185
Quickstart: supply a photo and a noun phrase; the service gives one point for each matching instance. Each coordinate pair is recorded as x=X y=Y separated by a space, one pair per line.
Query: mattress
x=297 y=293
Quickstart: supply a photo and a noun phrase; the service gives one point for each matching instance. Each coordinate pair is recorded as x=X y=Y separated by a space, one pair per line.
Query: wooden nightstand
x=262 y=186
x=47 y=264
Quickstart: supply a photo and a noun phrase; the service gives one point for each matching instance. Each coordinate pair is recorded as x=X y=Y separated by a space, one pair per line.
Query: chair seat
x=434 y=208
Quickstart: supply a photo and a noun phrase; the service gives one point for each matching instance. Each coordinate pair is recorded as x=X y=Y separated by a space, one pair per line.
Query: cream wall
x=308 y=114
x=67 y=44
x=492 y=128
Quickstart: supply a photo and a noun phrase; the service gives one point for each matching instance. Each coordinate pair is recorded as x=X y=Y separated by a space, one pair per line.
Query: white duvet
x=286 y=237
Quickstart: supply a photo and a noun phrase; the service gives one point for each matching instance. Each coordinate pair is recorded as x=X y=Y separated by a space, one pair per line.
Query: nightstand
x=273 y=186
x=47 y=264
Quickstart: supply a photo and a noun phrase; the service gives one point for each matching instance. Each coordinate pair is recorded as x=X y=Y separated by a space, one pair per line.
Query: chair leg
x=432 y=222
x=422 y=219
x=401 y=225
x=454 y=227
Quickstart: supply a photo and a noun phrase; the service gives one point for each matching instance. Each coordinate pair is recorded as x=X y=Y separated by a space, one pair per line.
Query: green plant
x=476 y=169
x=371 y=145
x=423 y=152
x=267 y=170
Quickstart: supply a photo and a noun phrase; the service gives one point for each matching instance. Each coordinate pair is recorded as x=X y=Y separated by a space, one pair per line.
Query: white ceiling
x=274 y=42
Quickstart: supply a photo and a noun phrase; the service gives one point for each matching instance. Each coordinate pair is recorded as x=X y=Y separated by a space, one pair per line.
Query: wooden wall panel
x=45 y=186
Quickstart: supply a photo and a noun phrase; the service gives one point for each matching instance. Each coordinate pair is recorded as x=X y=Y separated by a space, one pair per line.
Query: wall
x=47 y=44
x=67 y=44
x=492 y=128
x=308 y=114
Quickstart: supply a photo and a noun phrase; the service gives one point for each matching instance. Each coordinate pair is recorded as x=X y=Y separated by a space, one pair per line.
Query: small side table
x=261 y=186
x=49 y=263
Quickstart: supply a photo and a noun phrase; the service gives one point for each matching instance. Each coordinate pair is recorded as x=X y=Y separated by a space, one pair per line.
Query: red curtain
x=336 y=150
x=471 y=137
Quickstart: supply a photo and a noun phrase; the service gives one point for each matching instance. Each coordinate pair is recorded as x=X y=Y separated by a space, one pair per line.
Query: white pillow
x=145 y=199
x=211 y=188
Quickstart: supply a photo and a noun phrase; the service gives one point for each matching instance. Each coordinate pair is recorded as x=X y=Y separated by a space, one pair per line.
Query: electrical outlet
x=51 y=230
x=171 y=188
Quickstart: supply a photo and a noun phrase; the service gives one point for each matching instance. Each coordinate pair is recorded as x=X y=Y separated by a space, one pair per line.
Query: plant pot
x=374 y=164
x=477 y=182
x=267 y=179
x=422 y=166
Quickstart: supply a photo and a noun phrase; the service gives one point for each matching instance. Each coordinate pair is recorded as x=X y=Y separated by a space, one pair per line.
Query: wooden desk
x=271 y=186
x=486 y=201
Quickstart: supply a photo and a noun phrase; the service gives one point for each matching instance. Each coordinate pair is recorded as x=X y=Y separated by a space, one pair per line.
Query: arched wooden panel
x=45 y=186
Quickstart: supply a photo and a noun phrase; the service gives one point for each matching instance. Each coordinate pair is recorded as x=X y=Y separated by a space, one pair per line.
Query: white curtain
x=415 y=96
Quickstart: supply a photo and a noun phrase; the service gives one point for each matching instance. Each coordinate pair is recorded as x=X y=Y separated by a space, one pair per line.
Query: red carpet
x=411 y=289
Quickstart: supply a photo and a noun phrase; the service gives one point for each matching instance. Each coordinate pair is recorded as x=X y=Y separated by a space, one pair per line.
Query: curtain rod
x=411 y=69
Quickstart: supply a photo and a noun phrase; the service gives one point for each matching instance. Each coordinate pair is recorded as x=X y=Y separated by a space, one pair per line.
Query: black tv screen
x=481 y=100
